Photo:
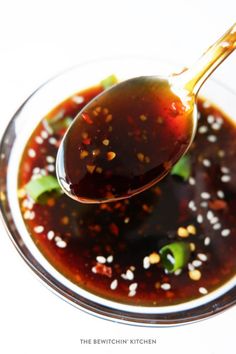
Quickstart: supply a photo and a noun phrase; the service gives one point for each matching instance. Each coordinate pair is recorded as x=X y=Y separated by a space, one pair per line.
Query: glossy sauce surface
x=125 y=140
x=112 y=249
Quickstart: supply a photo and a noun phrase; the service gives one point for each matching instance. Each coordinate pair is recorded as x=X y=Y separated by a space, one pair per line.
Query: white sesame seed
x=203 y=257
x=44 y=134
x=197 y=263
x=114 y=284
x=204 y=204
x=178 y=271
x=216 y=126
x=221 y=153
x=101 y=259
x=132 y=293
x=110 y=259
x=27 y=214
x=203 y=129
x=32 y=215
x=192 y=181
x=220 y=194
x=146 y=262
x=165 y=286
x=61 y=244
x=39 y=140
x=210 y=119
x=78 y=99
x=191 y=267
x=200 y=219
x=31 y=153
x=192 y=205
x=220 y=120
x=216 y=226
x=52 y=141
x=224 y=169
x=39 y=229
x=225 y=178
x=212 y=138
x=206 y=162
x=225 y=232
x=129 y=274
x=50 y=235
x=207 y=241
x=36 y=170
x=203 y=290
x=57 y=239
x=50 y=168
x=94 y=270
x=214 y=220
x=205 y=195
x=206 y=104
x=133 y=286
x=210 y=215
x=50 y=159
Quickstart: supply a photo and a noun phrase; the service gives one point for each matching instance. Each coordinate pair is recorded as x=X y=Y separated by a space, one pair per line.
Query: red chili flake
x=102 y=269
x=95 y=228
x=86 y=141
x=218 y=204
x=114 y=229
x=87 y=118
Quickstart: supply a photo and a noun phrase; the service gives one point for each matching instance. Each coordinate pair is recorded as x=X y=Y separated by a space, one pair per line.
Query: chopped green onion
x=109 y=81
x=58 y=123
x=182 y=168
x=175 y=255
x=42 y=188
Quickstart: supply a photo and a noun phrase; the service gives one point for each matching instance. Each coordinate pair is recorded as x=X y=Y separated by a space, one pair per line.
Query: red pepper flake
x=102 y=269
x=87 y=141
x=217 y=204
x=87 y=118
x=114 y=229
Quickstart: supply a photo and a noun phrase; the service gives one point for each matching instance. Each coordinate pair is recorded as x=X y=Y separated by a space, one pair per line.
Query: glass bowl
x=13 y=141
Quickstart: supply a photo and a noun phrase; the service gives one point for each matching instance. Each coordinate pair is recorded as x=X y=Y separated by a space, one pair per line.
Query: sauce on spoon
x=130 y=136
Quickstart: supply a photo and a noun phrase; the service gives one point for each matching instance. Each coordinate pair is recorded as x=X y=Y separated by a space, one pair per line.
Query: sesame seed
x=50 y=235
x=206 y=162
x=203 y=290
x=126 y=220
x=195 y=274
x=191 y=267
x=191 y=229
x=182 y=232
x=216 y=226
x=50 y=168
x=38 y=229
x=27 y=214
x=50 y=159
x=192 y=246
x=44 y=134
x=197 y=263
x=212 y=138
x=36 y=170
x=216 y=126
x=214 y=220
x=31 y=153
x=106 y=142
x=61 y=244
x=220 y=194
x=39 y=140
x=110 y=259
x=206 y=104
x=207 y=241
x=101 y=259
x=129 y=275
x=111 y=155
x=200 y=219
x=146 y=262
x=203 y=129
x=210 y=215
x=224 y=169
x=210 y=119
x=154 y=258
x=192 y=205
x=132 y=293
x=225 y=232
x=178 y=271
x=78 y=99
x=204 y=204
x=205 y=195
x=52 y=141
x=192 y=181
x=165 y=286
x=225 y=178
x=114 y=284
x=202 y=257
x=133 y=286
x=57 y=239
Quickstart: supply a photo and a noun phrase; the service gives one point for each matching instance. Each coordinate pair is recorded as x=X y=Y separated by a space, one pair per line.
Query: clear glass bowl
x=13 y=141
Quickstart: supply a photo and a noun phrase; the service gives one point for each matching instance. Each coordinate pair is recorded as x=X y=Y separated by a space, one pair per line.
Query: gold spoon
x=129 y=137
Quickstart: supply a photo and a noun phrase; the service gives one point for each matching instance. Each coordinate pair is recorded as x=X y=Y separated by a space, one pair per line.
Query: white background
x=37 y=40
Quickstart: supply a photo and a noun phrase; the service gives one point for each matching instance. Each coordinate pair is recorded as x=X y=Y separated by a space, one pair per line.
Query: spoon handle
x=193 y=78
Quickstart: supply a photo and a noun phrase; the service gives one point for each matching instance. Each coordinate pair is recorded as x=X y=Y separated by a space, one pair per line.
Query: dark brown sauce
x=124 y=141
x=108 y=249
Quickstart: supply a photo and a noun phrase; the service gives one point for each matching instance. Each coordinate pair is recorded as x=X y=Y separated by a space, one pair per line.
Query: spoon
x=129 y=137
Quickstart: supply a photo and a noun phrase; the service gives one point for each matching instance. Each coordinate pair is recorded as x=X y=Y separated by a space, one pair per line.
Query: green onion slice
x=57 y=123
x=109 y=81
x=175 y=255
x=42 y=188
x=182 y=168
